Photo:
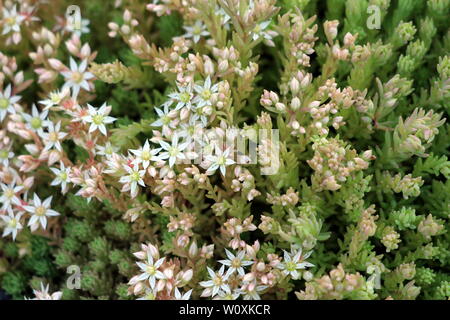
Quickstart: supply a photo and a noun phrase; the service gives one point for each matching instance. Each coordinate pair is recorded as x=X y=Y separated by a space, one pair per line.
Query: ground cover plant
x=225 y=149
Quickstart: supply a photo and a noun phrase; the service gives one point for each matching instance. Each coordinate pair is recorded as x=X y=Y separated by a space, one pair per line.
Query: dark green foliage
x=96 y=238
x=170 y=26
x=14 y=283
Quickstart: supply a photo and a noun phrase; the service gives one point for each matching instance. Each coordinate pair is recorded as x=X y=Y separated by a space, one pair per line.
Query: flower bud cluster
x=334 y=161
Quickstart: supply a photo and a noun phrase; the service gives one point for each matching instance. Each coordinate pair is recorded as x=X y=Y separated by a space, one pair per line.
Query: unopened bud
x=295 y=103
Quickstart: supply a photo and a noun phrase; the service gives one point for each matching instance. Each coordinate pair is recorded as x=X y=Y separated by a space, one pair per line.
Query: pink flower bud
x=280 y=107
x=295 y=103
x=193 y=249
x=127 y=15
x=294 y=85
x=140 y=255
x=248 y=277
x=28 y=183
x=85 y=51
x=260 y=266
x=223 y=65
x=113 y=26
x=125 y=29
x=273 y=96
x=72 y=48
x=32 y=148
x=187 y=276
x=153 y=251
x=56 y=64
x=209 y=67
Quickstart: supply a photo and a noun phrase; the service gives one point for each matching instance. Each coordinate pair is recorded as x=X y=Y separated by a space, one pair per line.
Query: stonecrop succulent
x=225 y=149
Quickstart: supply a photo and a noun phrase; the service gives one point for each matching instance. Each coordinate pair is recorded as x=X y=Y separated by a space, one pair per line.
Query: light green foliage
x=364 y=171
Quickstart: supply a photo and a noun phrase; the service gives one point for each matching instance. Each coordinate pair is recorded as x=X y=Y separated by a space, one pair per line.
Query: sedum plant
x=224 y=149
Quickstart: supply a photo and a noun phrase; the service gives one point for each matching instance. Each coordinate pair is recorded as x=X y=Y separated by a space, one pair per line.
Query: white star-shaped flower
x=55 y=98
x=107 y=150
x=133 y=179
x=174 y=151
x=77 y=77
x=227 y=295
x=224 y=17
x=236 y=263
x=259 y=31
x=43 y=294
x=196 y=31
x=12 y=223
x=294 y=262
x=11 y=20
x=40 y=211
x=7 y=102
x=5 y=155
x=9 y=194
x=220 y=160
x=144 y=155
x=53 y=136
x=185 y=296
x=193 y=130
x=98 y=118
x=183 y=97
x=62 y=177
x=217 y=282
x=204 y=93
x=251 y=291
x=201 y=115
x=78 y=27
x=164 y=114
x=36 y=121
x=150 y=270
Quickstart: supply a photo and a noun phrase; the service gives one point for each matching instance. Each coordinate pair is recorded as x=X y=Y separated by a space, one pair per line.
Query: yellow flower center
x=12 y=223
x=291 y=266
x=77 y=77
x=150 y=296
x=165 y=120
x=40 y=211
x=135 y=176
x=108 y=150
x=197 y=30
x=4 y=103
x=151 y=270
x=36 y=123
x=9 y=193
x=63 y=176
x=53 y=136
x=206 y=94
x=218 y=281
x=10 y=21
x=236 y=263
x=145 y=155
x=221 y=160
x=54 y=97
x=185 y=97
x=98 y=119
x=4 y=154
x=173 y=151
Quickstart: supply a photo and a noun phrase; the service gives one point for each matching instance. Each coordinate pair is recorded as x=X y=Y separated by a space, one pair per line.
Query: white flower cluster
x=159 y=276
x=221 y=285
x=179 y=131
x=17 y=208
x=242 y=274
x=43 y=294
